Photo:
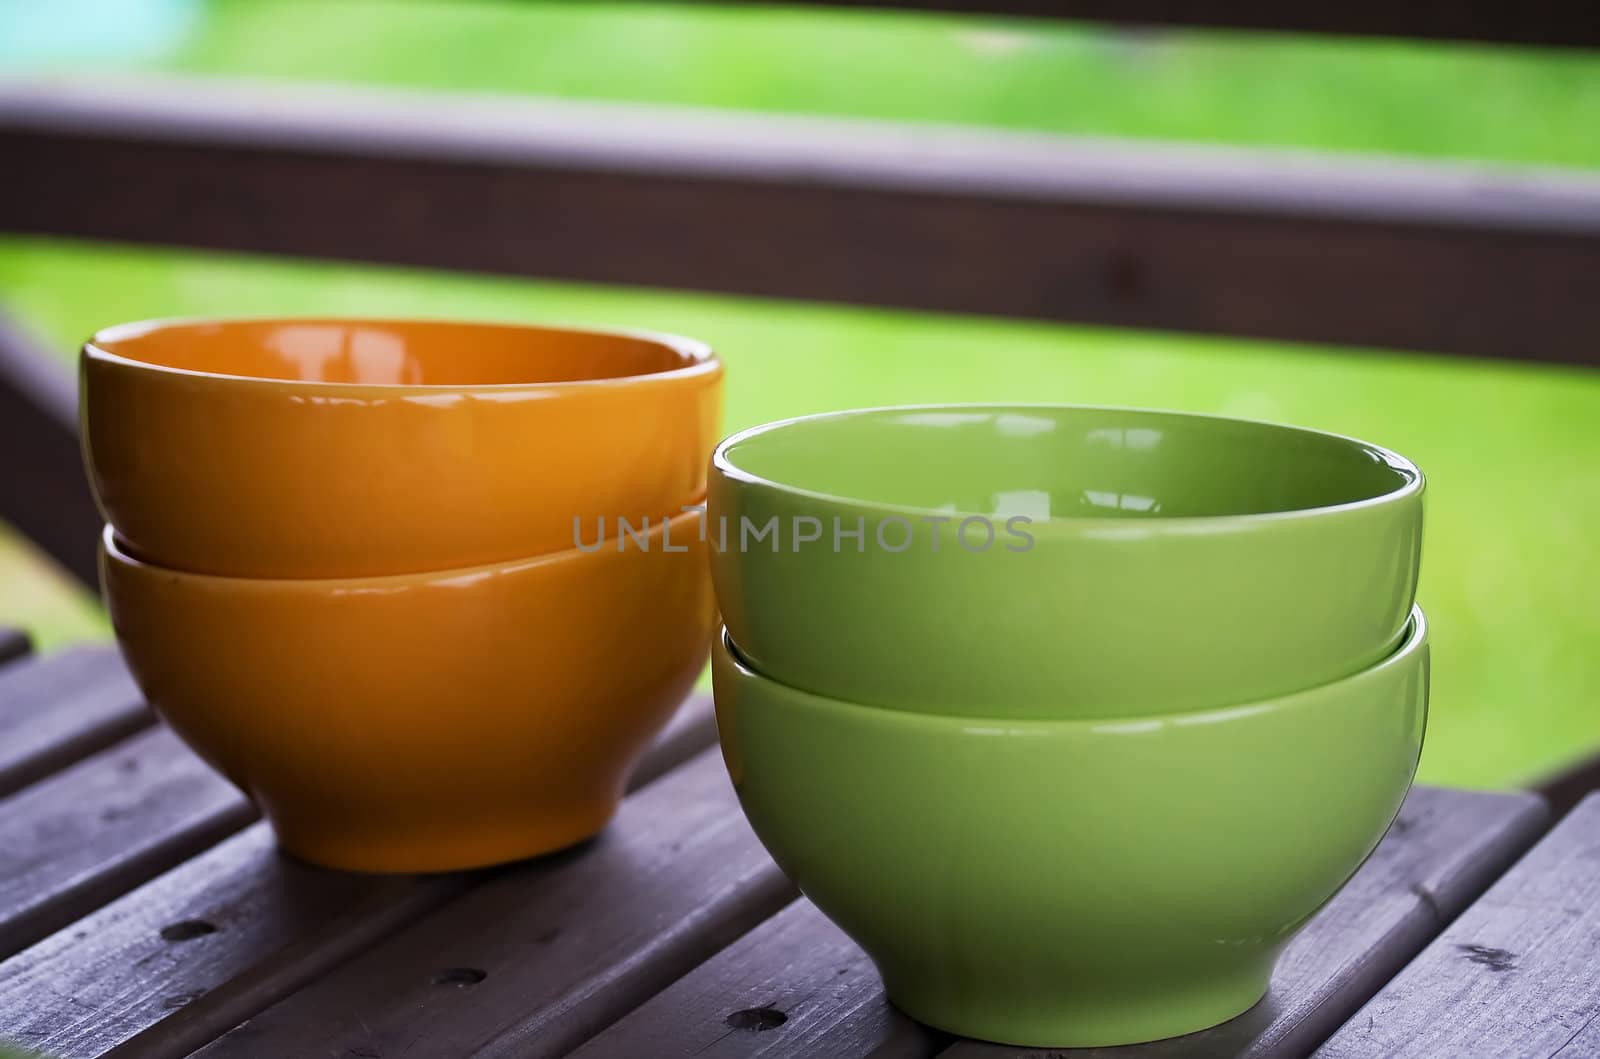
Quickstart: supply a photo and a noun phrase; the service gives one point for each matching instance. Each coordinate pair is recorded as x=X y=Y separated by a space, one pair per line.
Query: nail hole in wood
x=756 y=1020
x=1497 y=960
x=460 y=976
x=187 y=929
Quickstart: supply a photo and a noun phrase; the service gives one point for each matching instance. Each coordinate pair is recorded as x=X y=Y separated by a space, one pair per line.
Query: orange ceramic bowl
x=358 y=448
x=425 y=722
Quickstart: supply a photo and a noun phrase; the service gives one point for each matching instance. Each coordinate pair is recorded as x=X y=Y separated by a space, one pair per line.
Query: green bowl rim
x=1414 y=643
x=1414 y=486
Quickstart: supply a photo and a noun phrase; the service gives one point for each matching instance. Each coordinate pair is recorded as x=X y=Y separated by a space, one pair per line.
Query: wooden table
x=145 y=912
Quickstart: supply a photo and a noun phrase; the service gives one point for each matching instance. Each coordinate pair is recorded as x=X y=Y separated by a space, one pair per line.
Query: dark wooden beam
x=1462 y=259
x=14 y=644
x=1565 y=787
x=1558 y=23
x=43 y=491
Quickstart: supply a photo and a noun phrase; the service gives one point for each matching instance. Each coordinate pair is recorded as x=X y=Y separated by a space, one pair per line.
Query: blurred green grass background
x=1510 y=450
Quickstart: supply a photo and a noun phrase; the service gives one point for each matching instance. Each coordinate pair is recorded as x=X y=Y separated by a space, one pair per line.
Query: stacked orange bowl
x=423 y=590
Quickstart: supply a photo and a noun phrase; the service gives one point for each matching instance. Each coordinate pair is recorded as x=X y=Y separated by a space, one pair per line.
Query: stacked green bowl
x=1069 y=716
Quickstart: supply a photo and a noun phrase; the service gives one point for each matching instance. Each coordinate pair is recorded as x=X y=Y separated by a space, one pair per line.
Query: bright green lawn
x=1510 y=450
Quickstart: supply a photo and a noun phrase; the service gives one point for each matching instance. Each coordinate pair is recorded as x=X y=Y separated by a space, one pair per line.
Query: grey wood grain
x=14 y=643
x=795 y=986
x=1517 y=976
x=73 y=841
x=169 y=967
x=61 y=707
x=1462 y=258
x=541 y=956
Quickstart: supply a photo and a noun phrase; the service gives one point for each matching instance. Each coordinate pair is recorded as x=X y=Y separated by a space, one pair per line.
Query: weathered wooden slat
x=541 y=956
x=61 y=707
x=1544 y=22
x=43 y=491
x=1514 y=976
x=794 y=986
x=160 y=971
x=14 y=644
x=1445 y=848
x=1466 y=259
x=173 y=965
x=73 y=841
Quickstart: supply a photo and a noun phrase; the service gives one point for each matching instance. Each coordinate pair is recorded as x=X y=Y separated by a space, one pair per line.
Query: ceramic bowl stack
x=359 y=566
x=1070 y=717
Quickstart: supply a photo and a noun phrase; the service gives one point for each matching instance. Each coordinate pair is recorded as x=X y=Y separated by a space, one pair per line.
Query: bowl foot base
x=445 y=847
x=1104 y=1017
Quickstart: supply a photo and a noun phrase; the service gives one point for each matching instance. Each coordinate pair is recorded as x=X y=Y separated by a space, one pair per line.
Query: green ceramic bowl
x=1075 y=883
x=1047 y=561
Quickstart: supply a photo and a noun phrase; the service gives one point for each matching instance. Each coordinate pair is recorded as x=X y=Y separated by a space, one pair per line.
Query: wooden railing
x=1555 y=23
x=1474 y=260
x=43 y=492
x=1462 y=259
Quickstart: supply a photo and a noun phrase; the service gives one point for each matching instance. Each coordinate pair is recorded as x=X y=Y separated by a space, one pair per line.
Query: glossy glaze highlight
x=352 y=448
x=1053 y=560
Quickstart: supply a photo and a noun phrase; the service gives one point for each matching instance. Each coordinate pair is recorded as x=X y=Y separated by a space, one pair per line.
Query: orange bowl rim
x=703 y=360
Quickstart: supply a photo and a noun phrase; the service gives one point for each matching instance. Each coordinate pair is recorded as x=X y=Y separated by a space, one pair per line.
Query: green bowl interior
x=1044 y=462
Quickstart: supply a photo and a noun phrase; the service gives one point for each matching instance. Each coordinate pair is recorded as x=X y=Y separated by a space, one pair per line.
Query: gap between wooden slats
x=62 y=707
x=794 y=986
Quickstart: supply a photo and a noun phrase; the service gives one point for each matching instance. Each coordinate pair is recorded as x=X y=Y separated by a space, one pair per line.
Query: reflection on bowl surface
x=351 y=448
x=1054 y=462
x=1052 y=560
